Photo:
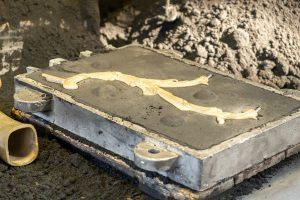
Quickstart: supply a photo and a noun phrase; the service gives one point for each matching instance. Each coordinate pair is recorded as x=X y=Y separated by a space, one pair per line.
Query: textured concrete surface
x=153 y=113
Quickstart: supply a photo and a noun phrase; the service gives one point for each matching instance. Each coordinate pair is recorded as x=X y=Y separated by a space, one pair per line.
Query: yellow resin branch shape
x=152 y=87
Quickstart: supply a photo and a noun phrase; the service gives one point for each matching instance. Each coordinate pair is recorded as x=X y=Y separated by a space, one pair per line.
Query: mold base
x=155 y=186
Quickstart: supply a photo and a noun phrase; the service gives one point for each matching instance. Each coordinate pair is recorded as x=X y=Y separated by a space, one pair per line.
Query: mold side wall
x=245 y=154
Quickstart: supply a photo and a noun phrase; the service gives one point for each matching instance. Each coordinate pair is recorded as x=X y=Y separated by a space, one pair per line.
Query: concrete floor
x=285 y=184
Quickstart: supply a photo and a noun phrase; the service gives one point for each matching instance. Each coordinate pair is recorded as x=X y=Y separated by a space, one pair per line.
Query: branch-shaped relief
x=152 y=87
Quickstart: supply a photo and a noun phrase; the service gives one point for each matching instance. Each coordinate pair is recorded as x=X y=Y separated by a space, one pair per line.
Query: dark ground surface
x=60 y=172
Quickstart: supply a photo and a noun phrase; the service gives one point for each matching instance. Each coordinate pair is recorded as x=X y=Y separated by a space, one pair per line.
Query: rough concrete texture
x=156 y=114
x=280 y=24
x=258 y=40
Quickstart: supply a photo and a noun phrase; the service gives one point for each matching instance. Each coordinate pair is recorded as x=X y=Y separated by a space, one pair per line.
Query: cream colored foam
x=152 y=87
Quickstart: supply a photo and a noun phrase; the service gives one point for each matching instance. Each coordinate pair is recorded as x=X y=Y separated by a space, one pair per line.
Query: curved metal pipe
x=18 y=141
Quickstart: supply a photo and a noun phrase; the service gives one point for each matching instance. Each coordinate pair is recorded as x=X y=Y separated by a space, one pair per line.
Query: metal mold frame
x=199 y=170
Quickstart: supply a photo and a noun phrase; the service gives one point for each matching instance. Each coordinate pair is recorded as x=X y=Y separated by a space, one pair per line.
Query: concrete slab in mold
x=120 y=118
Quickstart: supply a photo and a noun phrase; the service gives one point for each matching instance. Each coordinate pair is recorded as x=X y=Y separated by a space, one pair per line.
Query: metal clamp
x=28 y=100
x=152 y=158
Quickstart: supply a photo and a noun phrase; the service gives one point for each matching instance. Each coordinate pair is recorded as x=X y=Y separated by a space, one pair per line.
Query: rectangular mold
x=116 y=117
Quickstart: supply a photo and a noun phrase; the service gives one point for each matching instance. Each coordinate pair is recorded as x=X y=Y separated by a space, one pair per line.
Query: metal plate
x=187 y=128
